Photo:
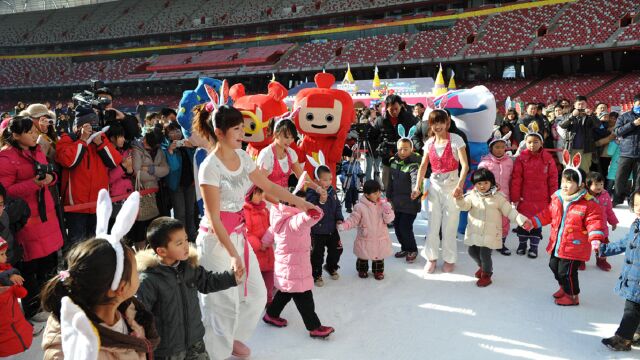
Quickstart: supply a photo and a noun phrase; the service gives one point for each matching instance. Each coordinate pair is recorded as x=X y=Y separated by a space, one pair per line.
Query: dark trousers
x=81 y=227
x=403 y=225
x=197 y=351
x=482 y=256
x=532 y=236
x=377 y=266
x=36 y=273
x=566 y=273
x=334 y=249
x=626 y=166
x=304 y=303
x=603 y=165
x=630 y=322
x=351 y=197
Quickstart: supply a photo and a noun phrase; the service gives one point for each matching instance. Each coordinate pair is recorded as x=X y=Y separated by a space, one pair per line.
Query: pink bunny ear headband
x=216 y=101
x=572 y=164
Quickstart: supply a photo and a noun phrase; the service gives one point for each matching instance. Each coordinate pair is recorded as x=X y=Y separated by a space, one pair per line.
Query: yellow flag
x=439 y=88
x=452 y=82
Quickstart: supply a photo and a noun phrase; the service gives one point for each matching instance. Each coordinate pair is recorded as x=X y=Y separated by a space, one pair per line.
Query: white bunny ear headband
x=124 y=221
x=404 y=135
x=572 y=164
x=497 y=136
x=216 y=101
x=286 y=116
x=533 y=129
x=300 y=183
x=80 y=339
x=318 y=164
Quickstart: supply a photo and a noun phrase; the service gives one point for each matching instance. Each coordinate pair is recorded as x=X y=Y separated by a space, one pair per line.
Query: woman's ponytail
x=201 y=123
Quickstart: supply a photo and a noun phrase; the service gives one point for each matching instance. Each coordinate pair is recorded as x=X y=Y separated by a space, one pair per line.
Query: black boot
x=504 y=251
x=617 y=343
x=533 y=250
x=522 y=248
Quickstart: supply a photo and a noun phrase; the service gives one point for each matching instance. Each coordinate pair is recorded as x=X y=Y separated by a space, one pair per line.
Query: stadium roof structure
x=19 y=6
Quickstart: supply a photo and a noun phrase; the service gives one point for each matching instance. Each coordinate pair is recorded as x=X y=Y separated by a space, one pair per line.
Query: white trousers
x=442 y=213
x=228 y=315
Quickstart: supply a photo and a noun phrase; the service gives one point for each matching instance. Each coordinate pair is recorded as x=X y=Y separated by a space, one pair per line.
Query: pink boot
x=240 y=350
x=321 y=332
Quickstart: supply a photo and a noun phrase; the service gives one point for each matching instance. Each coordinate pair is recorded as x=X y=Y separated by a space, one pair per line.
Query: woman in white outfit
x=445 y=152
x=225 y=176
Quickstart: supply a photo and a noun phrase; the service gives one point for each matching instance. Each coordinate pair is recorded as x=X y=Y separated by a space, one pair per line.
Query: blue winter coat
x=629 y=135
x=332 y=210
x=629 y=281
x=175 y=164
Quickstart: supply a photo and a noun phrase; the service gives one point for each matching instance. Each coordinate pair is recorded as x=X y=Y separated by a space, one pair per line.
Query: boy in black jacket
x=170 y=280
x=404 y=175
x=325 y=232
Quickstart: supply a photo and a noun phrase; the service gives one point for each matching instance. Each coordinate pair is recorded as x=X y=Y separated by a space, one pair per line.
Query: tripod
x=351 y=169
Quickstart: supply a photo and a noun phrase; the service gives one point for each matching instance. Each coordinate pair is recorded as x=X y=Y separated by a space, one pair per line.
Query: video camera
x=362 y=129
x=90 y=97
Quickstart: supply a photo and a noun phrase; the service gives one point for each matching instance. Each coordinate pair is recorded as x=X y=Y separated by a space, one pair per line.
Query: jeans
x=626 y=166
x=304 y=303
x=403 y=225
x=566 y=273
x=372 y=167
x=81 y=227
x=630 y=322
x=182 y=200
x=334 y=250
x=482 y=256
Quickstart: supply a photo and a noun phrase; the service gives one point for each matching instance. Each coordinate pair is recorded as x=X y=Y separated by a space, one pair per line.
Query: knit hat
x=85 y=115
x=36 y=111
x=3 y=244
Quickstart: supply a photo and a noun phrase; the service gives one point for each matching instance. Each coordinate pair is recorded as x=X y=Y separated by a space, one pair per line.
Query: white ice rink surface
x=445 y=316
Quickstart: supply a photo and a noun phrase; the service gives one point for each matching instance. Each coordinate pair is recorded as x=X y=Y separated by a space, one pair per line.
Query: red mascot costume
x=324 y=119
x=257 y=110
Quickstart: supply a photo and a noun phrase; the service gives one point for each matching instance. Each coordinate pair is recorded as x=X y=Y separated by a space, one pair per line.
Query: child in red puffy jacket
x=16 y=333
x=577 y=225
x=256 y=217
x=533 y=182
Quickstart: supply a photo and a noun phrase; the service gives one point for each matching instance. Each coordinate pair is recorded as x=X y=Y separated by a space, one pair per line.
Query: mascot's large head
x=190 y=99
x=257 y=110
x=473 y=110
x=324 y=112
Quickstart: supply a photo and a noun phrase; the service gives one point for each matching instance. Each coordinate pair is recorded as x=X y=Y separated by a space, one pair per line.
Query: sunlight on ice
x=451 y=277
x=525 y=354
x=600 y=330
x=496 y=338
x=450 y=309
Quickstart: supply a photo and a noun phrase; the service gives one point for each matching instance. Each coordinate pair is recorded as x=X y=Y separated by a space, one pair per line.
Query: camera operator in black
x=127 y=121
x=580 y=127
x=386 y=129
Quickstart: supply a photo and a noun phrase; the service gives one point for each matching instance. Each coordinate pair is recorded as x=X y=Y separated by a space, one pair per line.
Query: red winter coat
x=85 y=169
x=17 y=173
x=16 y=333
x=256 y=219
x=604 y=199
x=533 y=181
x=573 y=230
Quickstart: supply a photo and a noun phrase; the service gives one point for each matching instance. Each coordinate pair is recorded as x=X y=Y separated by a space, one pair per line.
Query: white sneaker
x=42 y=316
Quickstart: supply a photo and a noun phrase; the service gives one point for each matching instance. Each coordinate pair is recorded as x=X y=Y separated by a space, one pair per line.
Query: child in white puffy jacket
x=486 y=206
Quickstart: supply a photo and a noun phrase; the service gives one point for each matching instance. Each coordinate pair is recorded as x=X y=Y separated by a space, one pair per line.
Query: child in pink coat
x=371 y=215
x=501 y=165
x=291 y=230
x=595 y=186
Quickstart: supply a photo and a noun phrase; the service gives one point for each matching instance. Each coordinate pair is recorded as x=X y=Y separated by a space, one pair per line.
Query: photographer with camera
x=85 y=156
x=368 y=144
x=580 y=128
x=44 y=121
x=25 y=174
x=386 y=129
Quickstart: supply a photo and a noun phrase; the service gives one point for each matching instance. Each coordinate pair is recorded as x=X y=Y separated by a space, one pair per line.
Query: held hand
x=172 y=147
x=85 y=134
x=528 y=226
x=595 y=244
x=238 y=266
x=575 y=112
x=16 y=279
x=47 y=179
x=636 y=122
x=415 y=194
x=457 y=192
x=238 y=275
